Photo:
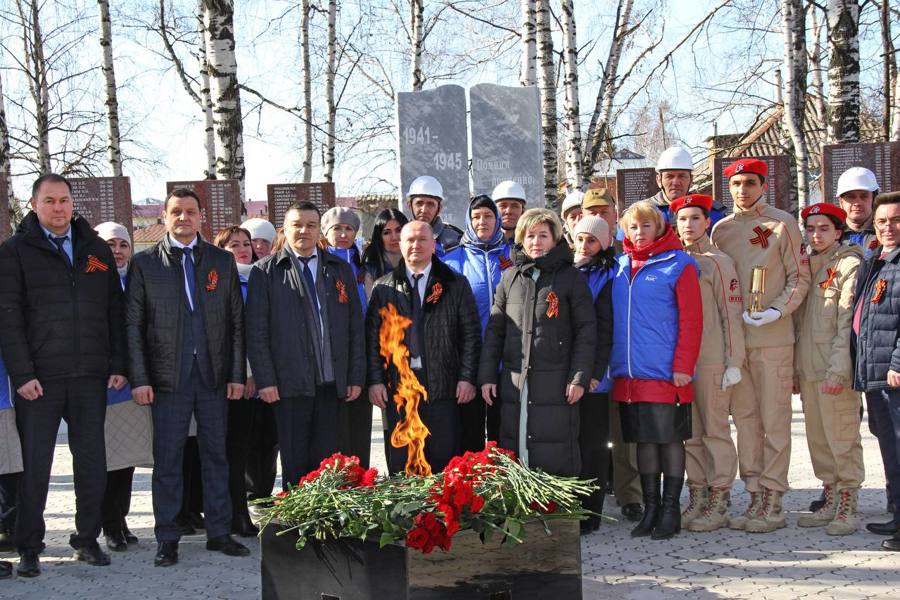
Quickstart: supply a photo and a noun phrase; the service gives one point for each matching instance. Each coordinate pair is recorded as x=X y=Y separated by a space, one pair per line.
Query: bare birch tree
x=306 y=75
x=547 y=86
x=36 y=73
x=895 y=119
x=209 y=136
x=113 y=151
x=815 y=66
x=330 y=107
x=224 y=90
x=794 y=33
x=843 y=70
x=417 y=42
x=572 y=118
x=5 y=168
x=527 y=64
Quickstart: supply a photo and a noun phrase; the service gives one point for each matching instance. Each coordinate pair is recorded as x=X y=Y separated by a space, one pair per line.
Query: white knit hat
x=594 y=226
x=110 y=230
x=260 y=229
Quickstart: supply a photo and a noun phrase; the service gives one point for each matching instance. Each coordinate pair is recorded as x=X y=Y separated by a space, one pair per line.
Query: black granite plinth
x=543 y=567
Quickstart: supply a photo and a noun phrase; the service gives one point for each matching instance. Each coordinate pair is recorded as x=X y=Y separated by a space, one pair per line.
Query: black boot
x=650 y=490
x=670 y=517
x=593 y=503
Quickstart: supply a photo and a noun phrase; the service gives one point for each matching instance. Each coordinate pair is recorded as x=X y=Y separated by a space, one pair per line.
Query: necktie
x=418 y=318
x=59 y=241
x=190 y=275
x=310 y=282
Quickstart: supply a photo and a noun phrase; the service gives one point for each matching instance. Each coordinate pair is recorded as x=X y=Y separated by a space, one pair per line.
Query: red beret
x=751 y=166
x=698 y=200
x=824 y=208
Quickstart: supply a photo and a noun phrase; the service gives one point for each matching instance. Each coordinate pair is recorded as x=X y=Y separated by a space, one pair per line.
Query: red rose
x=418 y=538
x=549 y=508
x=477 y=504
x=368 y=478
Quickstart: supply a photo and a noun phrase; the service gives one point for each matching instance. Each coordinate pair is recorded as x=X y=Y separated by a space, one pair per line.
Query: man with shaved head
x=444 y=340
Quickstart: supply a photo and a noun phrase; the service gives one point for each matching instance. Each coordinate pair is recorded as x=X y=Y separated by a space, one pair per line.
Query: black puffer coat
x=452 y=330
x=59 y=320
x=154 y=316
x=550 y=351
x=877 y=348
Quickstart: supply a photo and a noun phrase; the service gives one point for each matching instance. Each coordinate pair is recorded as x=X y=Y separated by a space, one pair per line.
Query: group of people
x=552 y=334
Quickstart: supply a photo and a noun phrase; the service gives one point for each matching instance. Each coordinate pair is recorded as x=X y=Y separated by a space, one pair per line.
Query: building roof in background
x=149 y=235
x=346 y=202
x=256 y=208
x=147 y=211
x=621 y=159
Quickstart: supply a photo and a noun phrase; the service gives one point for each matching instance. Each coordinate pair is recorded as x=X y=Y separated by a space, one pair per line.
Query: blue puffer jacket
x=599 y=272
x=876 y=349
x=482 y=263
x=352 y=256
x=645 y=327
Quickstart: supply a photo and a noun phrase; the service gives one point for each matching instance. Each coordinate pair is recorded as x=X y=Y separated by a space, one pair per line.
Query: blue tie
x=310 y=282
x=190 y=275
x=59 y=241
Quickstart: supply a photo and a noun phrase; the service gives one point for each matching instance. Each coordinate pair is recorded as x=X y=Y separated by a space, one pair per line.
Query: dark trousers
x=471 y=419
x=355 y=428
x=192 y=488
x=237 y=443
x=81 y=401
x=117 y=500
x=884 y=415
x=593 y=439
x=307 y=432
x=9 y=493
x=441 y=417
x=262 y=453
x=171 y=423
x=492 y=417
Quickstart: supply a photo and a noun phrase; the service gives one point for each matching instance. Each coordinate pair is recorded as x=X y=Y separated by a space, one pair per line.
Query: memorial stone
x=506 y=139
x=883 y=159
x=220 y=203
x=779 y=180
x=434 y=141
x=634 y=185
x=102 y=199
x=282 y=195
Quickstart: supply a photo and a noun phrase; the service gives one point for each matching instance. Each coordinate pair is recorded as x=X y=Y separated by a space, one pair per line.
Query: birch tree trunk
x=895 y=119
x=843 y=70
x=5 y=169
x=330 y=68
x=113 y=150
x=417 y=33
x=888 y=60
x=794 y=33
x=527 y=66
x=307 y=92
x=599 y=125
x=209 y=136
x=815 y=68
x=574 y=180
x=547 y=86
x=36 y=73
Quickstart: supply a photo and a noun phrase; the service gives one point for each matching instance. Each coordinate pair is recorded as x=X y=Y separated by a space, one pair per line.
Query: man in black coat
x=185 y=331
x=875 y=345
x=306 y=348
x=61 y=318
x=444 y=340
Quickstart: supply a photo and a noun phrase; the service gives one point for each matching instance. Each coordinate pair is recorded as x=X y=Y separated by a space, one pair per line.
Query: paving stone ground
x=791 y=563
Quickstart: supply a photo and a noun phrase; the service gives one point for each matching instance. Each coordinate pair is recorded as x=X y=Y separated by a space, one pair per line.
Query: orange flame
x=410 y=431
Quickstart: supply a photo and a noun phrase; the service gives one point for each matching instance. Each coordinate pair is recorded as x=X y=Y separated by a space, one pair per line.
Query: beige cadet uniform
x=711 y=455
x=761 y=403
x=823 y=352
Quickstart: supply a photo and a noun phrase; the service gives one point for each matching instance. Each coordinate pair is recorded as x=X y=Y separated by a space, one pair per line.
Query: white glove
x=758 y=319
x=731 y=377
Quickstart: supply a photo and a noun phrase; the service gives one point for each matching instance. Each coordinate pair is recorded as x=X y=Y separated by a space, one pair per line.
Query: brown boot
x=697 y=495
x=715 y=513
x=824 y=515
x=771 y=516
x=740 y=521
x=845 y=520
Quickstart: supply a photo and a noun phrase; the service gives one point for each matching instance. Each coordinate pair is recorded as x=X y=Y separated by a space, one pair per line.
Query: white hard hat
x=675 y=158
x=856 y=178
x=572 y=200
x=260 y=229
x=426 y=185
x=508 y=190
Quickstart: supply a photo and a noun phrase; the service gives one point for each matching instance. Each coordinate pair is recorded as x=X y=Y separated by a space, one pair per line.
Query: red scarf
x=664 y=243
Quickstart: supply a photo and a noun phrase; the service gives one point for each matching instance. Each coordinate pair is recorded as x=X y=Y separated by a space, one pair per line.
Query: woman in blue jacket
x=595 y=258
x=481 y=257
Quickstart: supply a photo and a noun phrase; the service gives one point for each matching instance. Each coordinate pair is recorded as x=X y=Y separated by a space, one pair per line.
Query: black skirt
x=655 y=422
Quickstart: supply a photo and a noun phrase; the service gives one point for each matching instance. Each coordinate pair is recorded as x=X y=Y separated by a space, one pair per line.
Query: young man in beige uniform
x=711 y=455
x=759 y=235
x=824 y=370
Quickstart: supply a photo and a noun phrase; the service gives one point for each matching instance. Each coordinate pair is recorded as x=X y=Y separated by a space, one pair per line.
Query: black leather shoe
x=242 y=525
x=633 y=511
x=166 y=554
x=92 y=555
x=226 y=545
x=887 y=528
x=892 y=543
x=7 y=544
x=116 y=542
x=5 y=569
x=29 y=565
x=130 y=538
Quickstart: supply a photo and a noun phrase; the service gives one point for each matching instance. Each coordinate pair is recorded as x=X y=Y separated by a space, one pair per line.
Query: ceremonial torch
x=757 y=288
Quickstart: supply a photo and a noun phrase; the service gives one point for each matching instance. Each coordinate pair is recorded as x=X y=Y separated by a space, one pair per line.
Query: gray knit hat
x=337 y=216
x=595 y=226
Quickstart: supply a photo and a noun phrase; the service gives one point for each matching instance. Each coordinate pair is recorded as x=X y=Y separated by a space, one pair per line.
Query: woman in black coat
x=542 y=329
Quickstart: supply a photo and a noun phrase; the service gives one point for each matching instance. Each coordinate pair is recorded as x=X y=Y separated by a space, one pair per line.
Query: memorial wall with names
x=220 y=203
x=281 y=195
x=102 y=199
x=883 y=159
x=780 y=178
x=634 y=185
